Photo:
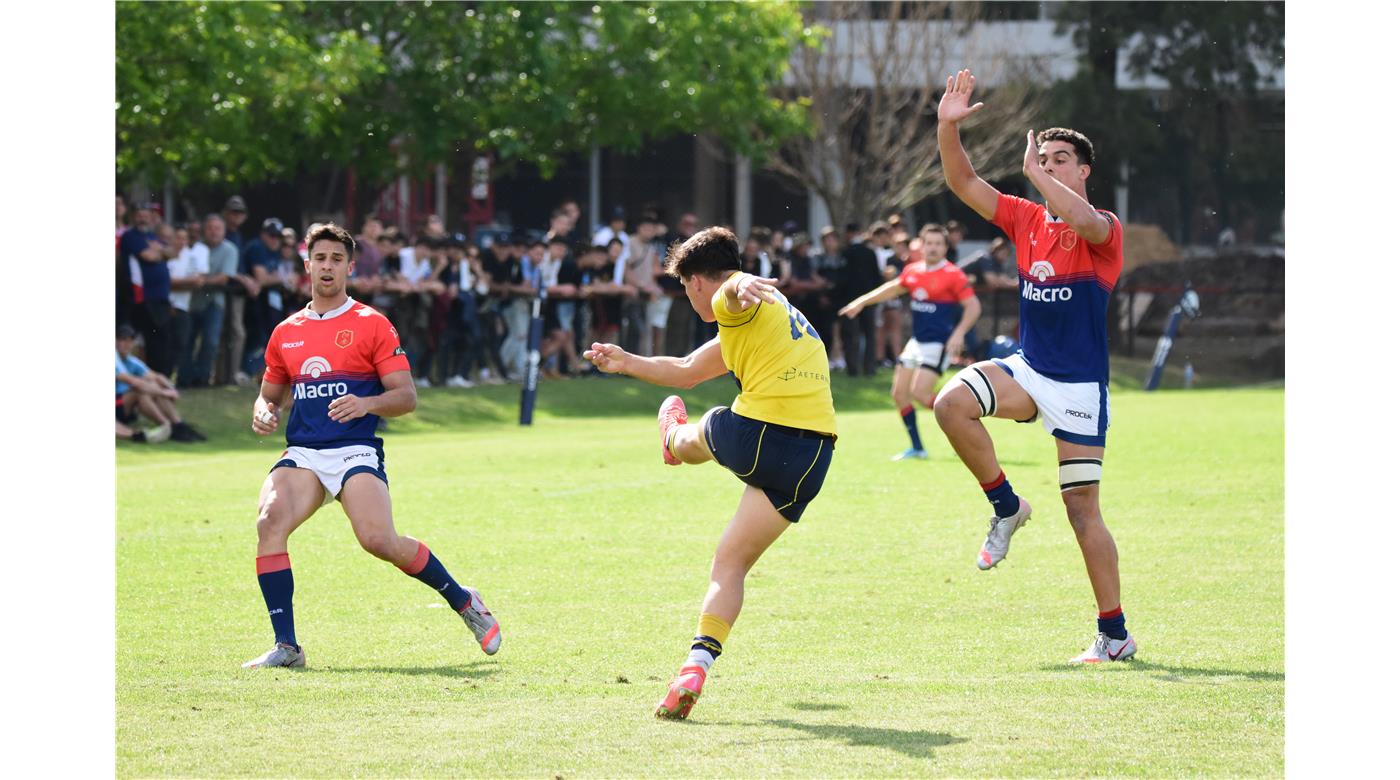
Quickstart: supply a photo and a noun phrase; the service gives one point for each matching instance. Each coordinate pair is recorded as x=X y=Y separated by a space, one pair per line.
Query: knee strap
x=976 y=381
x=1080 y=472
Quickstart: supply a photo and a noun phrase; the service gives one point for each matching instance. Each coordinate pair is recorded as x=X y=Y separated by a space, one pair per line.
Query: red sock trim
x=270 y=563
x=930 y=402
x=1112 y=613
x=906 y=410
x=419 y=561
x=994 y=484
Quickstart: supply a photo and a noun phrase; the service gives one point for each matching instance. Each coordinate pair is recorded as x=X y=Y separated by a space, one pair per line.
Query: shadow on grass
x=915 y=744
x=1171 y=673
x=456 y=671
x=807 y=706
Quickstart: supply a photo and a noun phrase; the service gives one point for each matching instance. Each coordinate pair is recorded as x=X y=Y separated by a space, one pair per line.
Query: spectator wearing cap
x=143 y=390
x=235 y=214
x=150 y=287
x=956 y=233
x=262 y=261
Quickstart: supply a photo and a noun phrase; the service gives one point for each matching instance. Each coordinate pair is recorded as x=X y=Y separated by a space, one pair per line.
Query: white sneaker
x=159 y=433
x=279 y=655
x=999 y=536
x=459 y=381
x=422 y=381
x=1106 y=648
x=241 y=379
x=838 y=364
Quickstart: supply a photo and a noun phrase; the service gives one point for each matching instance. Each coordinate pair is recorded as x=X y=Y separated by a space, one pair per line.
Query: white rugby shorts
x=1075 y=412
x=334 y=466
x=924 y=354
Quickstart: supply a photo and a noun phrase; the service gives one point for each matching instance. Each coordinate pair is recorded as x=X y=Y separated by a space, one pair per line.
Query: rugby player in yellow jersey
x=777 y=437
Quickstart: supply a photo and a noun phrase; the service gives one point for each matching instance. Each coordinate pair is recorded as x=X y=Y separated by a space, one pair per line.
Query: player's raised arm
x=885 y=292
x=957 y=168
x=1062 y=201
x=743 y=290
x=703 y=364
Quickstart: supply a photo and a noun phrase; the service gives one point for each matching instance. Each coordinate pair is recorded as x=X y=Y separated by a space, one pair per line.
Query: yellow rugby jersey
x=780 y=364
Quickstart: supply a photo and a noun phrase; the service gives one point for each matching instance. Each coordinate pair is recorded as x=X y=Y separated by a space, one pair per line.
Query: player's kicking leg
x=756 y=525
x=681 y=441
x=289 y=496
x=365 y=498
x=1080 y=471
x=986 y=390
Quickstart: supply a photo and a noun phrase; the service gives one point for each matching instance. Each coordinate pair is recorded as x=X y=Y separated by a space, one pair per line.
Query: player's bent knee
x=980 y=398
x=379 y=544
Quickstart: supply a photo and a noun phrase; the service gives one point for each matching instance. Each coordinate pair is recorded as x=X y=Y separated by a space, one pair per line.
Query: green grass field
x=869 y=643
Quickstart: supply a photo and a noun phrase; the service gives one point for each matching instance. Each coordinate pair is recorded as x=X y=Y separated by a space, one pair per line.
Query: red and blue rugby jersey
x=937 y=293
x=1065 y=286
x=345 y=351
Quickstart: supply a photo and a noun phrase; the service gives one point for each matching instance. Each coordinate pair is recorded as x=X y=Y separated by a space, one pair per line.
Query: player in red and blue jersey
x=1069 y=255
x=944 y=309
x=337 y=367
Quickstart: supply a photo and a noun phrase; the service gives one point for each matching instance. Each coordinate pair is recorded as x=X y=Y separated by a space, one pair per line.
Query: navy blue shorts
x=787 y=464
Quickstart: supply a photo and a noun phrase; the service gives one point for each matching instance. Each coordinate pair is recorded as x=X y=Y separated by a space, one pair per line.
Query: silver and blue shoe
x=999 y=536
x=480 y=620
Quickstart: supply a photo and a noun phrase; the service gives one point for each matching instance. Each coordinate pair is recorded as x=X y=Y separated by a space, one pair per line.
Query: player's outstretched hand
x=347 y=408
x=953 y=107
x=752 y=290
x=1032 y=159
x=850 y=310
x=609 y=358
x=265 y=418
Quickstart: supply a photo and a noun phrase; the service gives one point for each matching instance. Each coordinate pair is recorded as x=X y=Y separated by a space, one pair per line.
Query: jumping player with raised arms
x=339 y=364
x=777 y=437
x=1069 y=255
x=945 y=308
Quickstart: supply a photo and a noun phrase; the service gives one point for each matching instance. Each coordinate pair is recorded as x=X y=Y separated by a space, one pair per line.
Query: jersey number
x=799 y=323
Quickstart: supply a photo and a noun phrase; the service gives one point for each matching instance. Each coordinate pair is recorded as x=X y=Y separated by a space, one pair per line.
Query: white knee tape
x=973 y=379
x=1080 y=472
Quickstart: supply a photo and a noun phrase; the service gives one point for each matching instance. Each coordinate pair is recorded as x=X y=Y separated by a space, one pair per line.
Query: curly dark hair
x=1083 y=147
x=329 y=231
x=709 y=253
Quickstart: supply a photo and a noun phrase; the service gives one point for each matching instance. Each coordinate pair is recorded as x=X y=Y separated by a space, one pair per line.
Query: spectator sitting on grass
x=139 y=389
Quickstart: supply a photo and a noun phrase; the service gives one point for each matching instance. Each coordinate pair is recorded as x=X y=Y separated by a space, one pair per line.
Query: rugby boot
x=684 y=690
x=911 y=453
x=1106 y=648
x=999 y=536
x=483 y=625
x=280 y=655
x=671 y=414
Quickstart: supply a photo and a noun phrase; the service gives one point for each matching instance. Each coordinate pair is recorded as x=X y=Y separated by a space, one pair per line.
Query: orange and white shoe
x=671 y=414
x=681 y=696
x=1106 y=648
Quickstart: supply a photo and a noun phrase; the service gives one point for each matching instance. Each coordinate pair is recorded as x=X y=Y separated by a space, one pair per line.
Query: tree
x=1213 y=133
x=873 y=90
x=394 y=87
x=226 y=92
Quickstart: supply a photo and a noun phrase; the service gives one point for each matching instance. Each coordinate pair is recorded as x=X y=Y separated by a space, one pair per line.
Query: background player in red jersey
x=340 y=365
x=1069 y=256
x=944 y=308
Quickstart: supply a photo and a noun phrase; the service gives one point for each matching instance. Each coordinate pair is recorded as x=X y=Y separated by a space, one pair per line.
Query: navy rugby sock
x=911 y=424
x=1112 y=623
x=427 y=569
x=1004 y=500
x=275 y=579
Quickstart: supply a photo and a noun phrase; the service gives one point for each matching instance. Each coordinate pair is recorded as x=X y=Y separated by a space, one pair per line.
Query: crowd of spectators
x=204 y=296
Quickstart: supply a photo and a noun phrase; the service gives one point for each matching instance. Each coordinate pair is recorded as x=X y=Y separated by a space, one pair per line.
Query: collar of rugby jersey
x=333 y=313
